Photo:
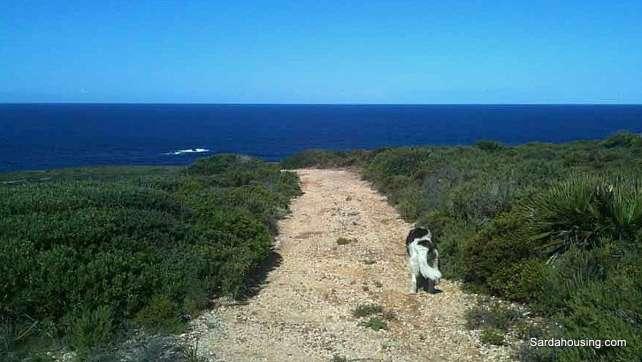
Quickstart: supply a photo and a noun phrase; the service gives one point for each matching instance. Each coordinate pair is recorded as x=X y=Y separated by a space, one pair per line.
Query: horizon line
x=327 y=104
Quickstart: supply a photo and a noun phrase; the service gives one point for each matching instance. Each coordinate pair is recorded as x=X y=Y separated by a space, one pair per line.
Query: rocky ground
x=304 y=308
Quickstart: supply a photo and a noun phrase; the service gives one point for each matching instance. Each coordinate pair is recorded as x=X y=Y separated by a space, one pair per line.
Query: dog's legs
x=413 y=283
x=414 y=273
x=431 y=285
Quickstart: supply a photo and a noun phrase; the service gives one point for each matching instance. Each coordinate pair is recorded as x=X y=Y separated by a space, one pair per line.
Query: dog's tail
x=427 y=271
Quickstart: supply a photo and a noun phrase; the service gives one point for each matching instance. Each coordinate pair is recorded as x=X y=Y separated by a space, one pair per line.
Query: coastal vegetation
x=91 y=258
x=555 y=226
x=90 y=255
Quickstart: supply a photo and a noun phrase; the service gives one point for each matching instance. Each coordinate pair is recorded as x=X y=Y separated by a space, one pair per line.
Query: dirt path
x=304 y=310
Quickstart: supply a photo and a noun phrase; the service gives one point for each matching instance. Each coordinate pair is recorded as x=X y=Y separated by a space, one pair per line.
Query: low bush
x=344 y=241
x=325 y=159
x=490 y=146
x=521 y=281
x=622 y=139
x=375 y=323
x=492 y=314
x=364 y=310
x=94 y=254
x=501 y=243
x=160 y=314
x=583 y=211
x=90 y=329
x=492 y=336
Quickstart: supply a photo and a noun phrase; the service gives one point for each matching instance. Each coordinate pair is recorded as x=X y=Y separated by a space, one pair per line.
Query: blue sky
x=321 y=51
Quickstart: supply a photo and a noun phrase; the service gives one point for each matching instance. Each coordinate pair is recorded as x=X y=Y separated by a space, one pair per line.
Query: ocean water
x=43 y=136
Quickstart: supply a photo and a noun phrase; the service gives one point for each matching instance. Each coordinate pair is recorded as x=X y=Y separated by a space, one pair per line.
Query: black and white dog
x=423 y=258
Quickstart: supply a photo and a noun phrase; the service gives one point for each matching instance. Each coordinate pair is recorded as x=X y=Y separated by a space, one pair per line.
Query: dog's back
x=416 y=233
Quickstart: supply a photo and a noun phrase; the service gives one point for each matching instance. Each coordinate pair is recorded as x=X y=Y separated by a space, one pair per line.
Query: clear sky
x=321 y=51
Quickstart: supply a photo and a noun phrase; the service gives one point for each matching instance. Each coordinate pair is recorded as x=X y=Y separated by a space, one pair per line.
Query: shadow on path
x=257 y=280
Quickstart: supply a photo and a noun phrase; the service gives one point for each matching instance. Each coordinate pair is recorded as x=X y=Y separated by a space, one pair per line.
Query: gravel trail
x=303 y=310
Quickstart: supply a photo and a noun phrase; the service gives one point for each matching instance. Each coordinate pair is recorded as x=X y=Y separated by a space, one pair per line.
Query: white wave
x=189 y=150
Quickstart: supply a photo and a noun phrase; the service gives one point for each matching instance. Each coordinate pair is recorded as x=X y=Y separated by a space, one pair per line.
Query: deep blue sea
x=43 y=136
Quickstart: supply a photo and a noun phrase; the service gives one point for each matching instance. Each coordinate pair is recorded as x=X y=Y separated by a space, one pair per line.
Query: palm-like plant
x=624 y=206
x=584 y=210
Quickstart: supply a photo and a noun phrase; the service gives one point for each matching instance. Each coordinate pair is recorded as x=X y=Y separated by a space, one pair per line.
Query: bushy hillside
x=557 y=226
x=87 y=254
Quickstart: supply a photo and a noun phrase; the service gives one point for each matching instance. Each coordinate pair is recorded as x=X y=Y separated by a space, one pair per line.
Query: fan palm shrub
x=584 y=210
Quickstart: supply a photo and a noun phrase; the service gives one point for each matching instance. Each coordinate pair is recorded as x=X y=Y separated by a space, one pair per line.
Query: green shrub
x=265 y=204
x=522 y=281
x=622 y=139
x=492 y=314
x=408 y=202
x=398 y=162
x=603 y=313
x=492 y=336
x=91 y=328
x=451 y=241
x=161 y=314
x=490 y=146
x=584 y=210
x=527 y=353
x=375 y=323
x=345 y=241
x=364 y=310
x=95 y=247
x=479 y=203
x=502 y=242
x=572 y=271
x=224 y=164
x=324 y=159
x=147 y=347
